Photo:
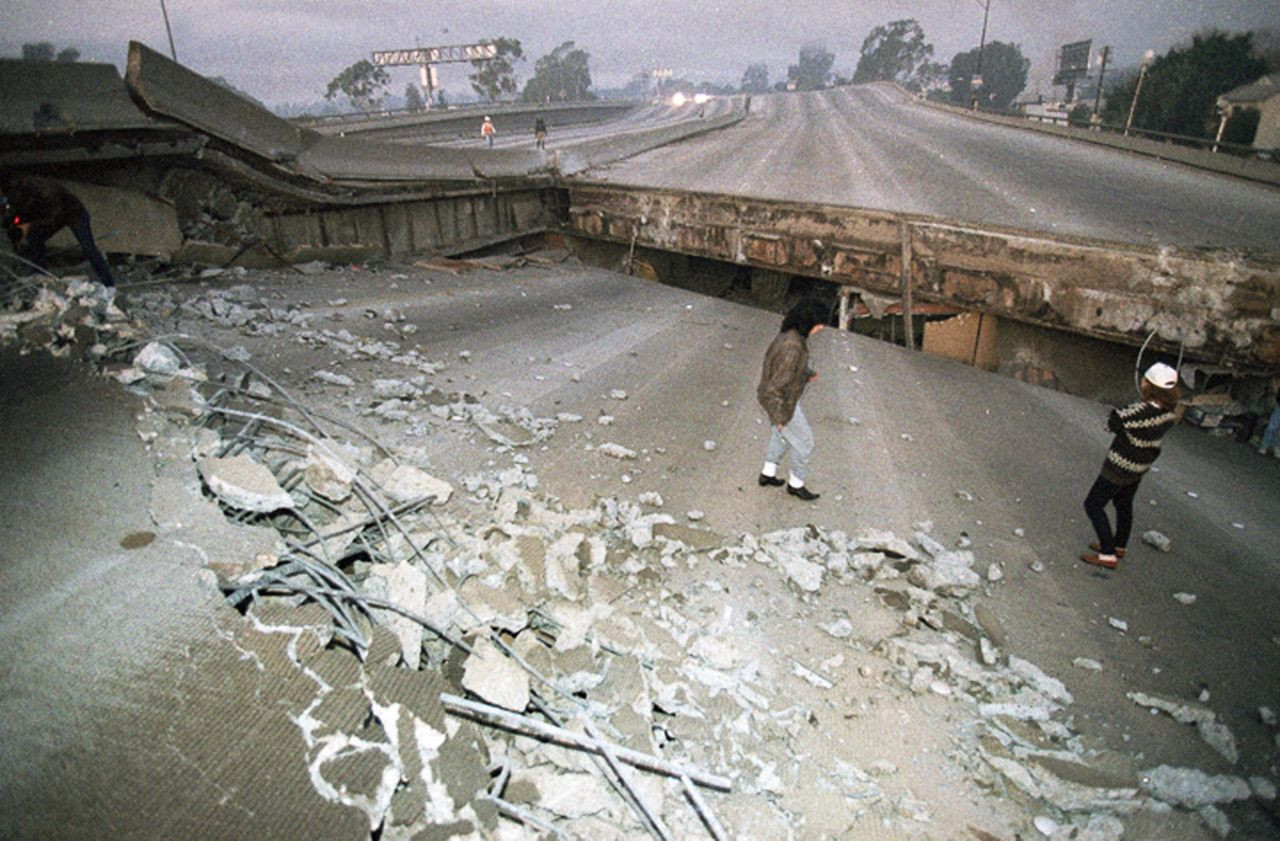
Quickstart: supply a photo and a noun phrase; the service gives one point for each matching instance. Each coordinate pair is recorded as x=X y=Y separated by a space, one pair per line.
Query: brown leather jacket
x=783 y=376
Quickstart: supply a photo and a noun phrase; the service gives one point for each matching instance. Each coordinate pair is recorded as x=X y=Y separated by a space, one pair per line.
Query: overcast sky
x=287 y=50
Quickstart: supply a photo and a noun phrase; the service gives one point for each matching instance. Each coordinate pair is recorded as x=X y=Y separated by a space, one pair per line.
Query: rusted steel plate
x=1216 y=306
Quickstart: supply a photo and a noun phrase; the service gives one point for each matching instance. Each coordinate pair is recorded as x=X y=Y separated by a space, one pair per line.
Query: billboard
x=1073 y=62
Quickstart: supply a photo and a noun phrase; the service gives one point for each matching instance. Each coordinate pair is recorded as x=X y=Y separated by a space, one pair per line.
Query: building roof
x=1257 y=91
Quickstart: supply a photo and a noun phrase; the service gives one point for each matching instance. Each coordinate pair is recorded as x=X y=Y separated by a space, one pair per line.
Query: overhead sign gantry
x=426 y=58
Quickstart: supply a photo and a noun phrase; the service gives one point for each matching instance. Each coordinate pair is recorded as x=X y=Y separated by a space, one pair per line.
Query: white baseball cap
x=1161 y=375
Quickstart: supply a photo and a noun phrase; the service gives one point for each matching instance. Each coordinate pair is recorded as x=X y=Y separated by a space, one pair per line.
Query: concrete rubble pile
x=66 y=317
x=512 y=667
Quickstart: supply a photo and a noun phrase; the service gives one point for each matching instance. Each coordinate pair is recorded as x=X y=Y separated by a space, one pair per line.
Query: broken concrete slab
x=495 y=677
x=405 y=585
x=328 y=474
x=567 y=795
x=1192 y=788
x=406 y=483
x=885 y=542
x=158 y=359
x=243 y=484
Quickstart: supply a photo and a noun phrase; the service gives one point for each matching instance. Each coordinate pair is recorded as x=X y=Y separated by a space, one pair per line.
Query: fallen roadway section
x=252 y=189
x=1222 y=308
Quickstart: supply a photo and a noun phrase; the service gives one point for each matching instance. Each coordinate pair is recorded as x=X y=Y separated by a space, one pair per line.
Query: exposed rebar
x=508 y=720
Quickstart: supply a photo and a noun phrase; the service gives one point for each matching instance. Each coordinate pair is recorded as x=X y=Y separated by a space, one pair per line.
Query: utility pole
x=1102 y=71
x=982 y=43
x=1142 y=74
x=172 y=51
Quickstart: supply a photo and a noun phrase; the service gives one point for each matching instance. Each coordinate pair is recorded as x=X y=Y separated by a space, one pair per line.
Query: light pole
x=982 y=43
x=1102 y=72
x=173 y=52
x=1142 y=74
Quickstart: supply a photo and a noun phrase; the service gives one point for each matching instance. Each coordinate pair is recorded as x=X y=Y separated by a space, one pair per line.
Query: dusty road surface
x=871 y=146
x=782 y=650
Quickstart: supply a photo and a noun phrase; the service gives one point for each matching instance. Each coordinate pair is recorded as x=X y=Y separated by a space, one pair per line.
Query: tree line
x=1179 y=92
x=897 y=51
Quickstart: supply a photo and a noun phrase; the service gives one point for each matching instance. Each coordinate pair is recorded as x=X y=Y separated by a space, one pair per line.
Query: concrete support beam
x=439 y=225
x=908 y=328
x=1219 y=307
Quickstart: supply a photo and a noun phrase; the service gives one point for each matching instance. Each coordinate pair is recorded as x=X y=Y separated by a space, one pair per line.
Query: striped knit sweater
x=1139 y=428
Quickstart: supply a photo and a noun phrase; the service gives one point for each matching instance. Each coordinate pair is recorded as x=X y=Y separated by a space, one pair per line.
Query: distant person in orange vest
x=36 y=208
x=487 y=131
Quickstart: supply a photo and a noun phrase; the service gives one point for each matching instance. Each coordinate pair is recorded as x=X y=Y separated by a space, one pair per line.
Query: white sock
x=770 y=469
x=794 y=482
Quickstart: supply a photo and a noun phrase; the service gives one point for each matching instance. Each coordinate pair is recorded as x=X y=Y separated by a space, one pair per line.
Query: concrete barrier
x=1253 y=169
x=466 y=121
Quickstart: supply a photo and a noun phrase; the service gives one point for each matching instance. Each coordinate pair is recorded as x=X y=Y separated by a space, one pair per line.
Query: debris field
x=472 y=657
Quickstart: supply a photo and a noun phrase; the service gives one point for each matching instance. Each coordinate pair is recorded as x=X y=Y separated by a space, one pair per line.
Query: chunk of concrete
x=406 y=483
x=616 y=451
x=807 y=576
x=158 y=360
x=1192 y=788
x=328 y=475
x=405 y=585
x=242 y=483
x=562 y=563
x=495 y=677
x=569 y=795
x=1181 y=711
x=1219 y=737
x=886 y=542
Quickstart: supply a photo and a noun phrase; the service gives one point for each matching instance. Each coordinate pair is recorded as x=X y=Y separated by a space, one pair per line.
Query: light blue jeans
x=795 y=436
x=1269 y=434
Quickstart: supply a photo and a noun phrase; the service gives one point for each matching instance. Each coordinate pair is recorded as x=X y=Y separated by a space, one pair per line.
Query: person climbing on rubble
x=783 y=378
x=487 y=131
x=35 y=209
x=1139 y=429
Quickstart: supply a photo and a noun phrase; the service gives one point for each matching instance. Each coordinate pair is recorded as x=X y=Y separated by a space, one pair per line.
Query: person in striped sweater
x=1139 y=428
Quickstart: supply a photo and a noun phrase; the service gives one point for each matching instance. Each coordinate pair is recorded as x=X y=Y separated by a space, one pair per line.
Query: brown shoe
x=1119 y=549
x=1099 y=561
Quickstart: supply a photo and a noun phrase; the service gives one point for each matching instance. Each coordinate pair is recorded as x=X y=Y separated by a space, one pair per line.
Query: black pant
x=38 y=236
x=1095 y=505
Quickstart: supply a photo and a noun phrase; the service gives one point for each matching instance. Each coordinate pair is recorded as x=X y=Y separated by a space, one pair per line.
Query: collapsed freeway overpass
x=217 y=179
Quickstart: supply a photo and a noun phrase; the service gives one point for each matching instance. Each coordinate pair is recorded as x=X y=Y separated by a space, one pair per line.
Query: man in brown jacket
x=783 y=377
x=36 y=208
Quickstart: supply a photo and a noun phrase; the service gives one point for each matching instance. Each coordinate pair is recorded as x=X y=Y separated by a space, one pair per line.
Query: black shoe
x=770 y=480
x=802 y=493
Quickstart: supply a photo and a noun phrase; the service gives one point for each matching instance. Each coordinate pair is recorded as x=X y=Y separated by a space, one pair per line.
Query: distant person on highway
x=783 y=378
x=1139 y=428
x=487 y=131
x=35 y=209
x=540 y=133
